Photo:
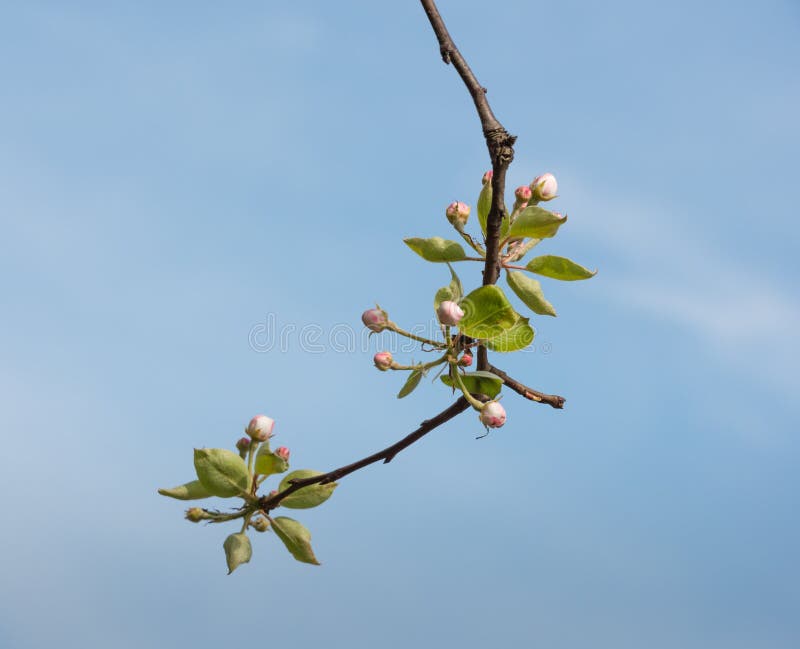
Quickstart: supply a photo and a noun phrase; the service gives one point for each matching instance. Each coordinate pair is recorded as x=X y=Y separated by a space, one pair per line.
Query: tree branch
x=266 y=503
x=529 y=393
x=498 y=141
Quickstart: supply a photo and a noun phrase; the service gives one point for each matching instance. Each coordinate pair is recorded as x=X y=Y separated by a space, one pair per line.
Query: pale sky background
x=175 y=175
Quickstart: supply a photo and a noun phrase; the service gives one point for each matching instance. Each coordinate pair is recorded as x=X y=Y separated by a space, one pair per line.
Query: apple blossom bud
x=383 y=361
x=487 y=177
x=457 y=213
x=282 y=452
x=449 y=313
x=243 y=444
x=375 y=319
x=465 y=360
x=260 y=428
x=195 y=514
x=260 y=524
x=493 y=415
x=544 y=187
x=523 y=194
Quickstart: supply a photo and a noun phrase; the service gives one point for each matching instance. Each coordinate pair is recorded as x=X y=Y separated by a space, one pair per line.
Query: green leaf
x=453 y=291
x=222 y=472
x=484 y=205
x=487 y=313
x=193 y=490
x=436 y=249
x=411 y=384
x=309 y=496
x=530 y=292
x=536 y=222
x=267 y=463
x=237 y=550
x=479 y=382
x=516 y=338
x=559 y=268
x=296 y=538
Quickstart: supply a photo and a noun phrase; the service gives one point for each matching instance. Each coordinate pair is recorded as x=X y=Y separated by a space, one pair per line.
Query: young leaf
x=516 y=338
x=559 y=268
x=530 y=292
x=411 y=384
x=309 y=496
x=268 y=463
x=479 y=382
x=536 y=222
x=296 y=538
x=222 y=472
x=453 y=291
x=237 y=550
x=193 y=490
x=487 y=313
x=436 y=249
x=484 y=205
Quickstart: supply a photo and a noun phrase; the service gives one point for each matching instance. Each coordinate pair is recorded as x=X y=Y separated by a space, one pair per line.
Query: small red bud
x=457 y=213
x=487 y=177
x=260 y=428
x=375 y=319
x=465 y=360
x=243 y=444
x=523 y=193
x=493 y=415
x=383 y=361
x=282 y=452
x=449 y=313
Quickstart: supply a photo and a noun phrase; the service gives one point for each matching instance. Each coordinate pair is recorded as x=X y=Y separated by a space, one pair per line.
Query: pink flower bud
x=260 y=428
x=487 y=177
x=383 y=361
x=544 y=187
x=282 y=452
x=493 y=415
x=523 y=193
x=375 y=319
x=457 y=213
x=449 y=313
x=465 y=360
x=243 y=444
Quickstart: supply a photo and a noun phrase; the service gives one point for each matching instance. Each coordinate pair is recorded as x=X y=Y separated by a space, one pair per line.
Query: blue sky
x=174 y=177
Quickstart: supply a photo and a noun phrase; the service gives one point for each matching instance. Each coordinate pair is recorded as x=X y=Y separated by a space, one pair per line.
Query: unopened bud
x=493 y=415
x=282 y=452
x=487 y=177
x=375 y=319
x=457 y=213
x=383 y=361
x=544 y=187
x=243 y=444
x=260 y=524
x=465 y=360
x=449 y=313
x=260 y=428
x=523 y=194
x=195 y=514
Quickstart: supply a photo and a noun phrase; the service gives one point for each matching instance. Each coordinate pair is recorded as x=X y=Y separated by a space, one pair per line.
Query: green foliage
x=530 y=292
x=536 y=222
x=411 y=384
x=295 y=537
x=487 y=313
x=193 y=490
x=237 y=550
x=268 y=463
x=453 y=291
x=484 y=205
x=518 y=337
x=480 y=382
x=436 y=249
x=307 y=497
x=559 y=268
x=222 y=472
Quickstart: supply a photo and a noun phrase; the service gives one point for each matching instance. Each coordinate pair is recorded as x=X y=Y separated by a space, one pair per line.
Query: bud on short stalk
x=260 y=428
x=493 y=415
x=260 y=524
x=243 y=445
x=282 y=452
x=457 y=213
x=523 y=194
x=195 y=514
x=449 y=313
x=383 y=361
x=465 y=360
x=487 y=177
x=375 y=319
x=544 y=187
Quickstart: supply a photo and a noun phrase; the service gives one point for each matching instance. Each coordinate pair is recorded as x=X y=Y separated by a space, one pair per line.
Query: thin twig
x=529 y=393
x=267 y=503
